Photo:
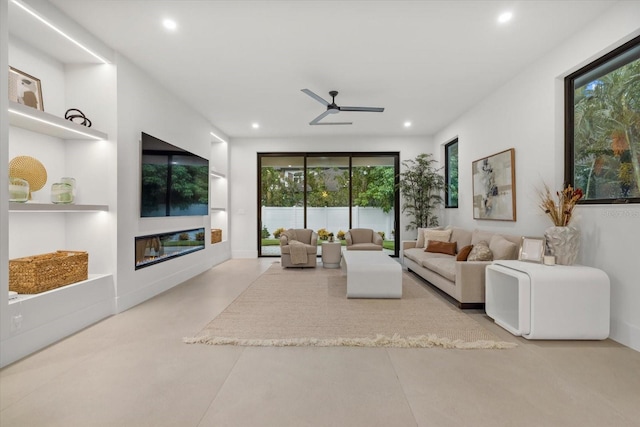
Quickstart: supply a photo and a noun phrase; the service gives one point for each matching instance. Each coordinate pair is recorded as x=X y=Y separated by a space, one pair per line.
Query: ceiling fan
x=332 y=108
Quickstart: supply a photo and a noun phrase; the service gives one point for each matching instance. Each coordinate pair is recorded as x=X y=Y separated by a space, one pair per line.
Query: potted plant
x=421 y=186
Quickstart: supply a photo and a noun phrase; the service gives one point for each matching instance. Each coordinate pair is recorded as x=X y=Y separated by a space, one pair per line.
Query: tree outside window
x=451 y=174
x=603 y=127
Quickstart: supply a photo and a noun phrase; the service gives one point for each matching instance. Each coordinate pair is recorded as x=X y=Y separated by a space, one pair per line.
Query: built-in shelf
x=218 y=209
x=215 y=174
x=42 y=122
x=67 y=288
x=51 y=207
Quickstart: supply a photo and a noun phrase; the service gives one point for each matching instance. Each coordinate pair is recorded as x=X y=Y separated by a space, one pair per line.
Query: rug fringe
x=396 y=341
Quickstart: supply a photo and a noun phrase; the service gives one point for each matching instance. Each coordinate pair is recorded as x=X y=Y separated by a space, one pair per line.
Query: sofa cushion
x=418 y=255
x=464 y=253
x=445 y=266
x=364 y=247
x=361 y=235
x=435 y=246
x=480 y=235
x=414 y=254
x=502 y=248
x=461 y=236
x=439 y=235
x=480 y=252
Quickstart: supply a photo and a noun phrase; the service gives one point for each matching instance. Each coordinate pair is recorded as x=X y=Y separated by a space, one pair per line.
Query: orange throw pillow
x=464 y=253
x=448 y=248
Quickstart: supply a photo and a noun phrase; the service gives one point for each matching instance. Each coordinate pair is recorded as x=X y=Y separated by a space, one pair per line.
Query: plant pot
x=563 y=243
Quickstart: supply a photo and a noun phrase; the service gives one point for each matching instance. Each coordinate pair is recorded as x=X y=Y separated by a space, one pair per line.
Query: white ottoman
x=372 y=274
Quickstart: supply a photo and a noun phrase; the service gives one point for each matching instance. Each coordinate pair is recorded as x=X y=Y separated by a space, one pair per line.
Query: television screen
x=175 y=182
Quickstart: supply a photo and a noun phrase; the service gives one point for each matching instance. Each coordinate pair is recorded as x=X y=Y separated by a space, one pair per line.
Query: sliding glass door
x=329 y=193
x=281 y=194
x=373 y=199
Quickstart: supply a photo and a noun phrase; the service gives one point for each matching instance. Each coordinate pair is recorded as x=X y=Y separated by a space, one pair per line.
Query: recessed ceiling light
x=505 y=17
x=170 y=24
x=407 y=124
x=255 y=125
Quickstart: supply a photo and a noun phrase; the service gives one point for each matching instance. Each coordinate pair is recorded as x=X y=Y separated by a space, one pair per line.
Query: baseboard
x=625 y=334
x=244 y=254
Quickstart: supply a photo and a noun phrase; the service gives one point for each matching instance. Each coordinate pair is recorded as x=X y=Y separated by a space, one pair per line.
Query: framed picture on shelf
x=494 y=187
x=532 y=249
x=25 y=89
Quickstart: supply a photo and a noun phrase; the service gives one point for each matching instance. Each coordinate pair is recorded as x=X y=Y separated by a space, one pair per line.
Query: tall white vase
x=563 y=243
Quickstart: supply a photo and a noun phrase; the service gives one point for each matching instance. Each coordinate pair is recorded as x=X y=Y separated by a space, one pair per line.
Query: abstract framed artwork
x=25 y=89
x=494 y=187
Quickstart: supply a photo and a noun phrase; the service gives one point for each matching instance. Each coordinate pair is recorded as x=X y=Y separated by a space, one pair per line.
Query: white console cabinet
x=557 y=302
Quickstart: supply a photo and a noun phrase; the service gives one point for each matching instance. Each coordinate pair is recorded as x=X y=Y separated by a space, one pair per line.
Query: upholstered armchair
x=298 y=247
x=363 y=239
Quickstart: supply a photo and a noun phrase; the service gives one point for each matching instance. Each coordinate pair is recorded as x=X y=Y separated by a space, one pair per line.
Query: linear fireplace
x=156 y=248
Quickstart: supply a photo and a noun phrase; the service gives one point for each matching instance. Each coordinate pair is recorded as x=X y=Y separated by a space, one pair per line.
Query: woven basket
x=40 y=273
x=216 y=235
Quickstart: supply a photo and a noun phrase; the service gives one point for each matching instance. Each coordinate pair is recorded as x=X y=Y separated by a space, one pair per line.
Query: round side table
x=331 y=254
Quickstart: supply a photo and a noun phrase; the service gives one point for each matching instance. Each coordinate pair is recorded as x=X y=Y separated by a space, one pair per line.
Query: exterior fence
x=331 y=219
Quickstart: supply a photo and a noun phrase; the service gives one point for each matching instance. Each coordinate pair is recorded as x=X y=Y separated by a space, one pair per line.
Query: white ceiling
x=239 y=62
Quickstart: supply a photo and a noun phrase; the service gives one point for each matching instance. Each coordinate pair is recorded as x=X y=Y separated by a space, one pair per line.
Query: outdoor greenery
x=387 y=244
x=372 y=186
x=189 y=185
x=421 y=186
x=606 y=142
x=452 y=174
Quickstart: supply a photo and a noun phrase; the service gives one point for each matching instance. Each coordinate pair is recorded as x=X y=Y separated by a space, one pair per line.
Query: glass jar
x=72 y=182
x=61 y=193
x=18 y=190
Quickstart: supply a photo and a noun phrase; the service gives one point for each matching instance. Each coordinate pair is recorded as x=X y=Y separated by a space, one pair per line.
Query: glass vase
x=61 y=193
x=18 y=190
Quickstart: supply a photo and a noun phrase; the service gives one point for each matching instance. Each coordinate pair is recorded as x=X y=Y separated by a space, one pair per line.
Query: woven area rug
x=309 y=307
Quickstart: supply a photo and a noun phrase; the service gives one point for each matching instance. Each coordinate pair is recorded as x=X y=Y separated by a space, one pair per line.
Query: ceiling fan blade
x=316 y=97
x=325 y=114
x=320 y=117
x=365 y=109
x=334 y=123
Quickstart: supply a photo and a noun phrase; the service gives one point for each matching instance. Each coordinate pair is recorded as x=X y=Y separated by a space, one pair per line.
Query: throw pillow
x=502 y=248
x=480 y=252
x=420 y=240
x=439 y=235
x=437 y=247
x=464 y=253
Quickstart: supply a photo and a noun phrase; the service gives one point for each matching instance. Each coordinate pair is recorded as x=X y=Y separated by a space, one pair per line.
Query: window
x=602 y=134
x=451 y=173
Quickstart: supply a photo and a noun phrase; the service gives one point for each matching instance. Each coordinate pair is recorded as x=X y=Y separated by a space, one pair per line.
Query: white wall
x=145 y=106
x=527 y=113
x=244 y=178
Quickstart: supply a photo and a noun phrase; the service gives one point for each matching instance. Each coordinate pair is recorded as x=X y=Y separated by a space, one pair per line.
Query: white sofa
x=462 y=280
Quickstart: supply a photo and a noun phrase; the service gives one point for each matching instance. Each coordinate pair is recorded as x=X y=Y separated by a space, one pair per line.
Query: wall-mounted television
x=175 y=182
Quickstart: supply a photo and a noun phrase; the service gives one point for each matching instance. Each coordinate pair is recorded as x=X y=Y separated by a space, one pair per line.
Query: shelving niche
x=66 y=149
x=218 y=190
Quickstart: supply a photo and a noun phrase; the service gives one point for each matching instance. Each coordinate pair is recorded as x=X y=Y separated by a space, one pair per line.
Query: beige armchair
x=363 y=239
x=298 y=248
